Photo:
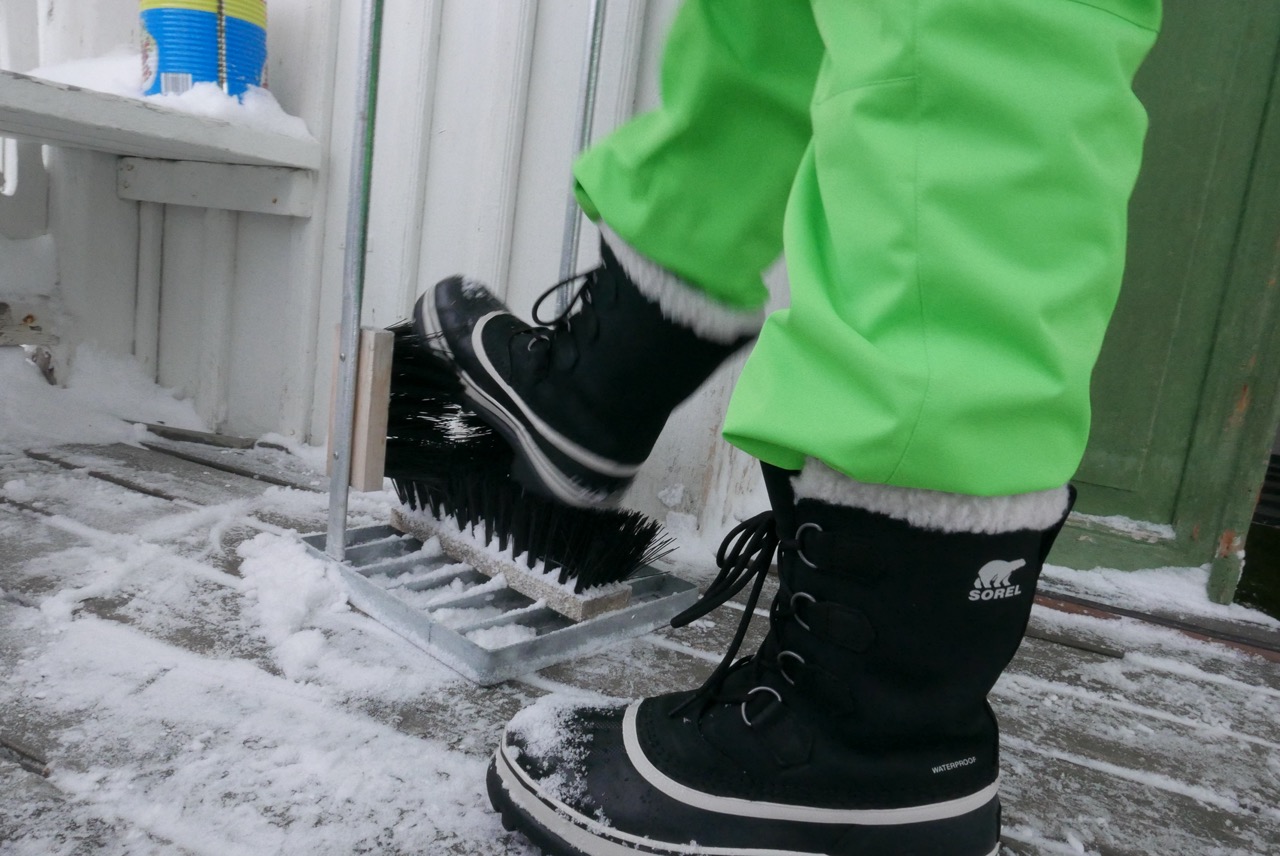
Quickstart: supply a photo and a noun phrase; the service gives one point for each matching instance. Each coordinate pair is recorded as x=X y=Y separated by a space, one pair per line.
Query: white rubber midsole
x=757 y=810
x=593 y=837
x=598 y=839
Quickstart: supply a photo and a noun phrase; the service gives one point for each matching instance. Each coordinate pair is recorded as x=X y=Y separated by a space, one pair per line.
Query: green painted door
x=1185 y=403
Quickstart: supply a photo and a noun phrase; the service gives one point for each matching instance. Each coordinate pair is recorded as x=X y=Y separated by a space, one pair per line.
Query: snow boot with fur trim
x=861 y=726
x=583 y=399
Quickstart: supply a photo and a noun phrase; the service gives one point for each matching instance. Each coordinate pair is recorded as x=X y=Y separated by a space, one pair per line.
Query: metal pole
x=582 y=136
x=353 y=272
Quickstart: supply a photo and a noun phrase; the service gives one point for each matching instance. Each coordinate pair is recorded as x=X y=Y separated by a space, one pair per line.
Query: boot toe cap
x=453 y=306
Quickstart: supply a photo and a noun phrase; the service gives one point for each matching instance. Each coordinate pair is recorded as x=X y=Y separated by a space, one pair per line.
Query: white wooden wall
x=471 y=174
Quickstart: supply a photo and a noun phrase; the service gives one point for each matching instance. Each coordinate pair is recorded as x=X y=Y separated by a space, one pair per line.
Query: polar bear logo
x=996 y=573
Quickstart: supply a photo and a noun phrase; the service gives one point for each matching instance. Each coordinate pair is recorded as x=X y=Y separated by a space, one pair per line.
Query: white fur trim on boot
x=680 y=300
x=932 y=509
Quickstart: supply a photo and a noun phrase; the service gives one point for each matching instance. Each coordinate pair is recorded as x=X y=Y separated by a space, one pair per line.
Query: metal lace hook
x=799 y=548
x=782 y=669
x=761 y=689
x=795 y=613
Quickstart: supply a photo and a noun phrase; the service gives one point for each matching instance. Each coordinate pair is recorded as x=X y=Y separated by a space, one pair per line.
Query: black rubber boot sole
x=515 y=819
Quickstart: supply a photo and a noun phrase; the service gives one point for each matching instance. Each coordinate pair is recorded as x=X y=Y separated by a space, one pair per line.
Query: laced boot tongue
x=565 y=333
x=744 y=556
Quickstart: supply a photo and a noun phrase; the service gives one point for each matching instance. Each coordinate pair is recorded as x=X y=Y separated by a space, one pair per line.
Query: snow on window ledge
x=120 y=73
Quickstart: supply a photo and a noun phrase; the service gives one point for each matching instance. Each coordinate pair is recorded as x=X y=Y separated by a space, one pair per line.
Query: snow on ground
x=201 y=685
x=223 y=714
x=1180 y=590
x=102 y=392
x=186 y=709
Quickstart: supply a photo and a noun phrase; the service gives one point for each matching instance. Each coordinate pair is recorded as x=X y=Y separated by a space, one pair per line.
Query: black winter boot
x=583 y=399
x=860 y=727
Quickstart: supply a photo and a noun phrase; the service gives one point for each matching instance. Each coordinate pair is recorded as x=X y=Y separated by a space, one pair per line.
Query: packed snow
x=1175 y=590
x=120 y=73
x=104 y=397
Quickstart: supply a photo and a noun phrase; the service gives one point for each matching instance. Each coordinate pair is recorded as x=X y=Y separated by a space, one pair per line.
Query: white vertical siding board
x=689 y=453
x=624 y=45
x=25 y=214
x=476 y=138
x=303 y=73
x=543 y=180
x=84 y=28
x=264 y=336
x=402 y=142
x=213 y=337
x=19 y=35
x=658 y=15
x=496 y=224
x=95 y=238
x=146 y=323
x=28 y=268
x=182 y=281
x=326 y=306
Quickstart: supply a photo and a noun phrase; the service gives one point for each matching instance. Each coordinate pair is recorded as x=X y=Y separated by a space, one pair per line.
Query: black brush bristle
x=443 y=459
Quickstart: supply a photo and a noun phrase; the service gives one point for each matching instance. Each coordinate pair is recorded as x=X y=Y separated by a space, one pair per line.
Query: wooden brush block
x=373 y=397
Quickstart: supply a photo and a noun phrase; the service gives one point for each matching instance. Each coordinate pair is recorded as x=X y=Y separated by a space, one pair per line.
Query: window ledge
x=36 y=109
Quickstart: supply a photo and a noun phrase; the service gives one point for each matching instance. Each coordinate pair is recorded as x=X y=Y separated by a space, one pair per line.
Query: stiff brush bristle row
x=443 y=459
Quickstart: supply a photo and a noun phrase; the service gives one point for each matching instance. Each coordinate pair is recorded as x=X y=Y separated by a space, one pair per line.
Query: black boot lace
x=744 y=556
x=560 y=334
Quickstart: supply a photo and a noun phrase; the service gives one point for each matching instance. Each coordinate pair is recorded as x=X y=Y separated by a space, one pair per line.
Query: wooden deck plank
x=1066 y=802
x=1172 y=749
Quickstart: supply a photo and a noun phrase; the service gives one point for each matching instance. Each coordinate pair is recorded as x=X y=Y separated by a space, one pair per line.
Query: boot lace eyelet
x=761 y=689
x=799 y=550
x=795 y=614
x=782 y=668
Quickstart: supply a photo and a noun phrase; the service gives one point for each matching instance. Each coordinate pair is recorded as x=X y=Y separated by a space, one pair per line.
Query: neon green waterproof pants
x=949 y=182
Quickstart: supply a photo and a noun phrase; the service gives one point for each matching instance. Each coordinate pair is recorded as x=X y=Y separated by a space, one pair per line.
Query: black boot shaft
x=859 y=728
x=617 y=368
x=909 y=628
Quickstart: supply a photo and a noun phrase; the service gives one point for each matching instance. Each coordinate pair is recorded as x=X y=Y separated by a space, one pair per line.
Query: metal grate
x=377 y=557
